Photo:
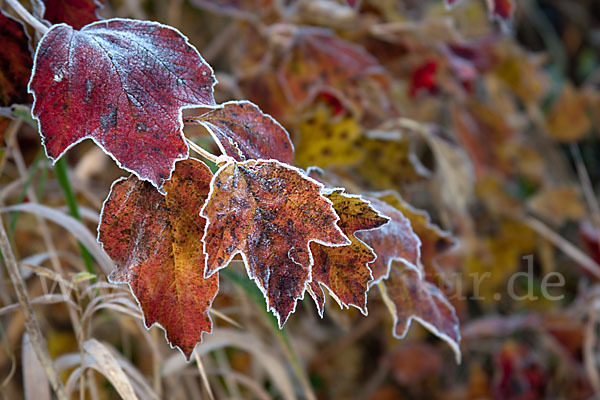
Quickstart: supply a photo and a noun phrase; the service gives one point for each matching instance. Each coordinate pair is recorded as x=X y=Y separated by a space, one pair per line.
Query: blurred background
x=485 y=116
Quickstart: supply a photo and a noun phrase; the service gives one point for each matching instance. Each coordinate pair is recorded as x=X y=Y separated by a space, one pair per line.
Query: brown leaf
x=409 y=296
x=343 y=270
x=269 y=212
x=434 y=241
x=394 y=241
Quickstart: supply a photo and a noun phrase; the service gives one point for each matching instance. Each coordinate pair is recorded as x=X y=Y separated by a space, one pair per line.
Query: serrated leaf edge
x=226 y=262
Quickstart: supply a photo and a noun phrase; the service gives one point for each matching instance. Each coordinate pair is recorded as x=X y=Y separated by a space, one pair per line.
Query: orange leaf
x=155 y=241
x=343 y=270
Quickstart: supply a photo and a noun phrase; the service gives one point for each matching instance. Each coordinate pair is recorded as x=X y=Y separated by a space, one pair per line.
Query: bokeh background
x=486 y=116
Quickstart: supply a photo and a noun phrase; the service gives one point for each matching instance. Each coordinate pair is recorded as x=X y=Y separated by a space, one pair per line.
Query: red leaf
x=15 y=68
x=123 y=84
x=343 y=270
x=393 y=241
x=243 y=132
x=76 y=13
x=155 y=241
x=269 y=212
x=410 y=297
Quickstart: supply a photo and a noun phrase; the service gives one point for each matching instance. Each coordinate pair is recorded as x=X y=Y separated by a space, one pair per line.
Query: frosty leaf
x=434 y=241
x=123 y=84
x=243 y=132
x=15 y=68
x=76 y=13
x=320 y=62
x=409 y=297
x=343 y=269
x=393 y=241
x=156 y=242
x=269 y=212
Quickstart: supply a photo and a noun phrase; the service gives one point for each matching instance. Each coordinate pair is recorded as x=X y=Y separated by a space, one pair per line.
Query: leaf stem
x=201 y=151
x=27 y=17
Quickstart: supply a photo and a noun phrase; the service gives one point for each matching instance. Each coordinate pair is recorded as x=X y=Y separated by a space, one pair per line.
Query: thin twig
x=31 y=323
x=27 y=17
x=567 y=247
x=201 y=151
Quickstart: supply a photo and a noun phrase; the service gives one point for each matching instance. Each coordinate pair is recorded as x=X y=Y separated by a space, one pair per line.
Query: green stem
x=60 y=169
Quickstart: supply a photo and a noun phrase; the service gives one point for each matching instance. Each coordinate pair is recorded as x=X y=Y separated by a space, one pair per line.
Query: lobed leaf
x=244 y=132
x=156 y=242
x=15 y=68
x=410 y=297
x=343 y=270
x=394 y=241
x=434 y=241
x=123 y=84
x=269 y=212
x=76 y=13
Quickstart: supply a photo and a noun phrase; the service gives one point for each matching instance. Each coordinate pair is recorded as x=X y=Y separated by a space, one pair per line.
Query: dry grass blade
x=31 y=323
x=74 y=360
x=109 y=367
x=258 y=391
x=35 y=382
x=202 y=372
x=224 y=317
x=230 y=338
x=75 y=227
x=567 y=247
x=45 y=299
